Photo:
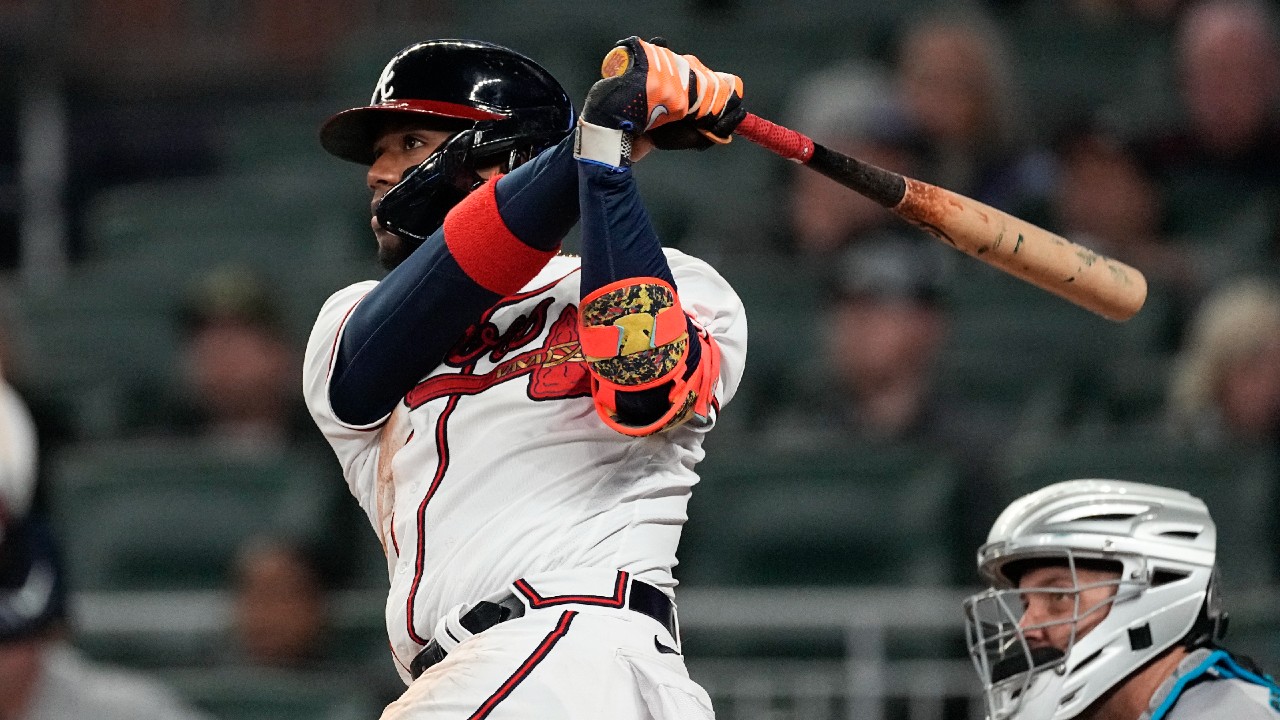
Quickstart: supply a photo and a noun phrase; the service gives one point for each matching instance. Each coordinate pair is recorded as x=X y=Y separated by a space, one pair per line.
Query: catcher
x=1105 y=605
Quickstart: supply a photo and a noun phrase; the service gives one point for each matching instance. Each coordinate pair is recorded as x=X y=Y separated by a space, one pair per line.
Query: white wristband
x=602 y=145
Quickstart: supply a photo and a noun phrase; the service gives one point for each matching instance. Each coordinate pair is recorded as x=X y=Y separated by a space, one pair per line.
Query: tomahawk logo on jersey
x=554 y=366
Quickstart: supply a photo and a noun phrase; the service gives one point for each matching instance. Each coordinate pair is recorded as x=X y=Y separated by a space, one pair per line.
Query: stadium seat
x=82 y=343
x=249 y=693
x=254 y=218
x=171 y=514
x=860 y=514
x=280 y=136
x=1016 y=345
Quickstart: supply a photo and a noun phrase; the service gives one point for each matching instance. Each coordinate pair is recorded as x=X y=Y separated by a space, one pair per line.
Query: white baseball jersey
x=496 y=466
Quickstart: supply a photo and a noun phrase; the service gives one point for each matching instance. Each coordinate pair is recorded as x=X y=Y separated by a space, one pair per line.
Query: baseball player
x=19 y=449
x=521 y=426
x=43 y=676
x=1105 y=605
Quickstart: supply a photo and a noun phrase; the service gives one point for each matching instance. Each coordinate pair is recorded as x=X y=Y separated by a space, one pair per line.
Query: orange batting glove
x=646 y=86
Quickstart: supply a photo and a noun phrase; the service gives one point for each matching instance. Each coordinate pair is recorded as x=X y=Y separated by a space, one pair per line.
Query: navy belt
x=643 y=598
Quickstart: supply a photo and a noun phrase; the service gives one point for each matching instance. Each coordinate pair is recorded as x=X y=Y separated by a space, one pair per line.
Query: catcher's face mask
x=1022 y=638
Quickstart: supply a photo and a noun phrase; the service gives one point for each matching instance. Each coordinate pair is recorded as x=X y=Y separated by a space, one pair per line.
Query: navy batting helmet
x=515 y=106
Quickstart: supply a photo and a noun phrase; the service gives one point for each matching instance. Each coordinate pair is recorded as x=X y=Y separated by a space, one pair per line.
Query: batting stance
x=1104 y=605
x=521 y=426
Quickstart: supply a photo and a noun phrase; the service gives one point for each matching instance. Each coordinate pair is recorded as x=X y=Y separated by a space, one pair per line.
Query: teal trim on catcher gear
x=1227 y=668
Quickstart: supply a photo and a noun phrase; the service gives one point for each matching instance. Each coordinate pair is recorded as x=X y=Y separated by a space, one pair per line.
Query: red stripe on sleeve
x=485 y=248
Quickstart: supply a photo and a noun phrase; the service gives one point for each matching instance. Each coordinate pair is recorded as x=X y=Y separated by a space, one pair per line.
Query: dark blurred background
x=169 y=226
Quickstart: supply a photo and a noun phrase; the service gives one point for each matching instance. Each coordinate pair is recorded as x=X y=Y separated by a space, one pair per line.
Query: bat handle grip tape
x=777 y=139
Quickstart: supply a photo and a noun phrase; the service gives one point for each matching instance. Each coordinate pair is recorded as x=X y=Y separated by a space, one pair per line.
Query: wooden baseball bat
x=1105 y=286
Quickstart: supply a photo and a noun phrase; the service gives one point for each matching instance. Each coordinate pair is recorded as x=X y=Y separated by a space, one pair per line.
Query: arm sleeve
x=618 y=244
x=491 y=244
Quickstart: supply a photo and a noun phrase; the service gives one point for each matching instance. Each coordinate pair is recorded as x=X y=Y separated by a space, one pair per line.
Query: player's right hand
x=702 y=130
x=646 y=86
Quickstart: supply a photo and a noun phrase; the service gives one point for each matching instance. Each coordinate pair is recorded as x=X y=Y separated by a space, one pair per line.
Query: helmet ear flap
x=416 y=207
x=1211 y=624
x=516 y=141
x=518 y=156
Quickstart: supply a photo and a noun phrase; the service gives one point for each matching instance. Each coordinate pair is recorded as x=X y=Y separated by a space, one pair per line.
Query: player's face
x=395 y=151
x=1047 y=620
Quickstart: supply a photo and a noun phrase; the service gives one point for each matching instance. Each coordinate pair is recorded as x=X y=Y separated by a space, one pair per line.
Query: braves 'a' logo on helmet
x=384 y=89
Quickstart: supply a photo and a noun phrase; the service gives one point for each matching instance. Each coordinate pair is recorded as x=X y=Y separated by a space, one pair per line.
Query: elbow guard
x=635 y=336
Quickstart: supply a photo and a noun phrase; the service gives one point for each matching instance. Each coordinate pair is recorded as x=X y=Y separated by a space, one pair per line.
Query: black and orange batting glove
x=646 y=86
x=703 y=130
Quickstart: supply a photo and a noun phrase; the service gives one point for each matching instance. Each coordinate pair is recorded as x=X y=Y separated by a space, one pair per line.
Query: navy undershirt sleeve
x=402 y=329
x=538 y=201
x=619 y=242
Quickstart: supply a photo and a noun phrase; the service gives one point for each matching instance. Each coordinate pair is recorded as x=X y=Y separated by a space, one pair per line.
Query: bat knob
x=615 y=63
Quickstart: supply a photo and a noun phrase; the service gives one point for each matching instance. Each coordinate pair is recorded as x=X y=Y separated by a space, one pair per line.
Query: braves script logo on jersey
x=556 y=368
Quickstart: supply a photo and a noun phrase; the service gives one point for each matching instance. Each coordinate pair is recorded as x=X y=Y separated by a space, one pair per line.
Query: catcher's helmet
x=1161 y=543
x=515 y=106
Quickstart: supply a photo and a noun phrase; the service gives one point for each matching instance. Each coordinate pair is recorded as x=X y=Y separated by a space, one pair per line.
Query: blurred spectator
x=1225 y=387
x=1102 y=198
x=883 y=330
x=238 y=364
x=1106 y=199
x=238 y=390
x=884 y=327
x=238 y=386
x=282 y=614
x=1220 y=161
x=960 y=108
x=281 y=605
x=945 y=112
x=1229 y=64
x=849 y=108
x=43 y=677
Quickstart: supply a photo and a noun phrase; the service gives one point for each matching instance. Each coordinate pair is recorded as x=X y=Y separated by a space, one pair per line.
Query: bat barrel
x=1095 y=282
